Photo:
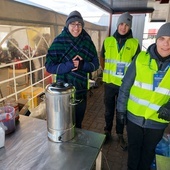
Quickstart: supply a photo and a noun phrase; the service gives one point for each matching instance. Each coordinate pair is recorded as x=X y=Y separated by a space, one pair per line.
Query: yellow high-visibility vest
x=144 y=101
x=113 y=57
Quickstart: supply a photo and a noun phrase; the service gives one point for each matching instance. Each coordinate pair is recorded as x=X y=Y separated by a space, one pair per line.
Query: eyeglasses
x=79 y=25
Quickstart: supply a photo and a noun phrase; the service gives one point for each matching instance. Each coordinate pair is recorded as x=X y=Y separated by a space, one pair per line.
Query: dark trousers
x=80 y=109
x=110 y=99
x=141 y=146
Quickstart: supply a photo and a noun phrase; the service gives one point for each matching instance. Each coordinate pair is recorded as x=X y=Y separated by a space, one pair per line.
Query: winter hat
x=125 y=18
x=164 y=30
x=74 y=16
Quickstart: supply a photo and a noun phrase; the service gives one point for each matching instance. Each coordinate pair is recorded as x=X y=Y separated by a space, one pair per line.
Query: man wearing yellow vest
x=144 y=100
x=116 y=55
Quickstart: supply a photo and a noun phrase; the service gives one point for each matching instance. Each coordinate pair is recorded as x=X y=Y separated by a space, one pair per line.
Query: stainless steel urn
x=60 y=99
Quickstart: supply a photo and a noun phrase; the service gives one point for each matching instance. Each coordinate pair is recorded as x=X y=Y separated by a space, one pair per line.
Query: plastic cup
x=7 y=118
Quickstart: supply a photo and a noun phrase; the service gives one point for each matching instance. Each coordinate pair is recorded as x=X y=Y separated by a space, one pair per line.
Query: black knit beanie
x=74 y=16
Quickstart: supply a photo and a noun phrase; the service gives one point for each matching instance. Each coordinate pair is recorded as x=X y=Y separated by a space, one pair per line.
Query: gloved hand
x=164 y=112
x=121 y=117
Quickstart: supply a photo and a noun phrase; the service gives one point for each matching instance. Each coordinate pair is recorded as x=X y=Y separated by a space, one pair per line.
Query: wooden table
x=29 y=148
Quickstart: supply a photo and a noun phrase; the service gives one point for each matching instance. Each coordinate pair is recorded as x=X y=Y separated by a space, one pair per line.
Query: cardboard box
x=33 y=94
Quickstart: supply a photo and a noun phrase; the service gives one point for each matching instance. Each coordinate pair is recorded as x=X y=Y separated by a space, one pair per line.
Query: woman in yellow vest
x=116 y=55
x=144 y=100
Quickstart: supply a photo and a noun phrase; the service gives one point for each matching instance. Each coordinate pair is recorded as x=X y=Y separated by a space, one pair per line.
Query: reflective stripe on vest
x=115 y=62
x=150 y=87
x=144 y=102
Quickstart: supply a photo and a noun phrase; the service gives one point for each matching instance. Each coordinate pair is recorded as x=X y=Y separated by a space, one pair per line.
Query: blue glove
x=122 y=117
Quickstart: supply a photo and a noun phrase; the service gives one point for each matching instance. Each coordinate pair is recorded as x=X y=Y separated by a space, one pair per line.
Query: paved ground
x=114 y=158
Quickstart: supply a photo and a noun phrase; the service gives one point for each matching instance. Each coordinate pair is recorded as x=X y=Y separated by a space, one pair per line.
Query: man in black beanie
x=72 y=56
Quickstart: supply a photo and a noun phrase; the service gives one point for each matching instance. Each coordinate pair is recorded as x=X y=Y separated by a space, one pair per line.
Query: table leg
x=99 y=161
